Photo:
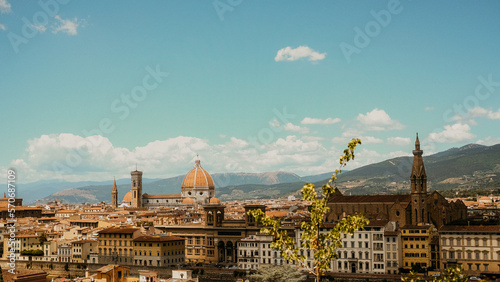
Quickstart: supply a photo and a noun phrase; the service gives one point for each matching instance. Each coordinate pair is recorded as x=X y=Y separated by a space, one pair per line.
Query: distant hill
x=469 y=167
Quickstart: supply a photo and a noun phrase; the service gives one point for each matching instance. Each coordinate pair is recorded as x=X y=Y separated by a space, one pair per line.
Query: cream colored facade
x=159 y=251
x=116 y=245
x=476 y=248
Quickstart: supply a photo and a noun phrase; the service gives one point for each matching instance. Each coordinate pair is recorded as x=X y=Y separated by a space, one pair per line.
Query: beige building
x=82 y=249
x=158 y=250
x=476 y=248
x=116 y=245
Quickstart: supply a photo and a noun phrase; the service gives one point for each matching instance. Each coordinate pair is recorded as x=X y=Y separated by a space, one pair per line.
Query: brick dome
x=127 y=198
x=197 y=178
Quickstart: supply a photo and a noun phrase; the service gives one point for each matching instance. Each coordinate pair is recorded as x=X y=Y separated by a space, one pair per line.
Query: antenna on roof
x=135 y=166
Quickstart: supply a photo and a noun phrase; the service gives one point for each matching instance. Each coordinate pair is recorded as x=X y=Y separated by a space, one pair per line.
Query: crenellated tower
x=114 y=195
x=418 y=187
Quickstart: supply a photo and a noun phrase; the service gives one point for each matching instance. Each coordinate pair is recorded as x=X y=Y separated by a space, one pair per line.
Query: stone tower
x=419 y=212
x=136 y=182
x=114 y=195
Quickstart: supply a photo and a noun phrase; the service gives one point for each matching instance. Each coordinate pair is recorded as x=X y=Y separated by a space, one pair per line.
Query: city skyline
x=249 y=86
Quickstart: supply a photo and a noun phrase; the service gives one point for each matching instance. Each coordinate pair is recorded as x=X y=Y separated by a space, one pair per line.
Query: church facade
x=419 y=207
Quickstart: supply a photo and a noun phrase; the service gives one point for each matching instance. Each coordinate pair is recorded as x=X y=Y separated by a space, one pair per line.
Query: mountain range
x=466 y=168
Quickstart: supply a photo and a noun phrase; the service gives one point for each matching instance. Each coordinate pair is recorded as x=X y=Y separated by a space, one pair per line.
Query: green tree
x=282 y=273
x=42 y=238
x=450 y=274
x=322 y=244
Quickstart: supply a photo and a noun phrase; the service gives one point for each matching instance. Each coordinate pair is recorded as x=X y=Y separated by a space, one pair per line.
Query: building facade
x=476 y=248
x=159 y=251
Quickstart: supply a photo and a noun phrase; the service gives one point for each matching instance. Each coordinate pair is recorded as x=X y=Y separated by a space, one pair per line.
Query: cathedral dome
x=197 y=178
x=187 y=201
x=214 y=201
x=127 y=198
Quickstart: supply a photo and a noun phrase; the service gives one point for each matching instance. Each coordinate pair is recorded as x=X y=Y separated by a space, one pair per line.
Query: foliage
x=32 y=252
x=42 y=238
x=322 y=245
x=282 y=273
x=455 y=274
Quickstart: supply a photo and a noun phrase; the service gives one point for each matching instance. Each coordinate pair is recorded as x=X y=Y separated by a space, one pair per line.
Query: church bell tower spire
x=418 y=180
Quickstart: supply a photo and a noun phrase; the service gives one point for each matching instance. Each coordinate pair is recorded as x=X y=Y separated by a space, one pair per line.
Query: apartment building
x=476 y=248
x=420 y=247
x=255 y=250
x=159 y=250
x=116 y=245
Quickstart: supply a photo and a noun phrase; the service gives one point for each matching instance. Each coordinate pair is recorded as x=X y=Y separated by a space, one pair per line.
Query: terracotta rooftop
x=370 y=199
x=157 y=238
x=473 y=228
x=118 y=230
x=382 y=222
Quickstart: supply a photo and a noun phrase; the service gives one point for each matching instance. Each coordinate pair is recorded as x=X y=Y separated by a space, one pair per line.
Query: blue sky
x=249 y=85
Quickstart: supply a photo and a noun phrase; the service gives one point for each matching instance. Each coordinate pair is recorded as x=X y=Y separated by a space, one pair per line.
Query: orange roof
x=197 y=177
x=128 y=197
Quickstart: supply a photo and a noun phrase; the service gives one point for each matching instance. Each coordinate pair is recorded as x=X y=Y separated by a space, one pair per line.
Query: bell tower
x=136 y=183
x=114 y=195
x=418 y=187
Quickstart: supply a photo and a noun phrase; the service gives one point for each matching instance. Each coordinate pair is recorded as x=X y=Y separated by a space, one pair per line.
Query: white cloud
x=66 y=26
x=475 y=112
x=429 y=108
x=4 y=7
x=295 y=128
x=457 y=132
x=2 y=27
x=290 y=54
x=489 y=141
x=275 y=123
x=371 y=140
x=347 y=136
x=494 y=115
x=399 y=141
x=308 y=120
x=74 y=158
x=40 y=28
x=378 y=120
